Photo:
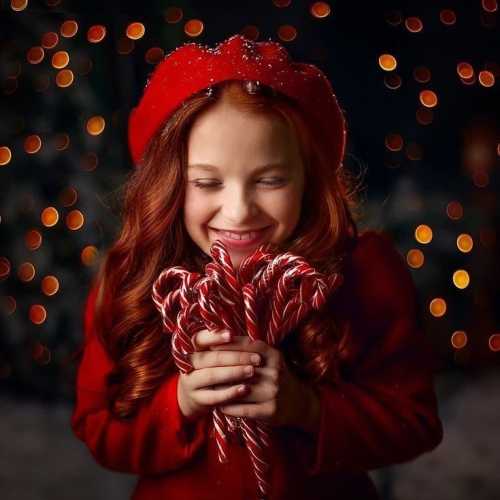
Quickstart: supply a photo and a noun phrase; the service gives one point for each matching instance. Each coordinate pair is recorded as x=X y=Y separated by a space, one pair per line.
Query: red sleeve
x=157 y=439
x=384 y=411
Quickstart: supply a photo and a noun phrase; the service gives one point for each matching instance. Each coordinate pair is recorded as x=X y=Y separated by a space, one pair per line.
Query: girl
x=232 y=140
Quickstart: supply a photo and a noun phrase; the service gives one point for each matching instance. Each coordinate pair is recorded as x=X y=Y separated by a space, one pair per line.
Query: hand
x=276 y=395
x=217 y=376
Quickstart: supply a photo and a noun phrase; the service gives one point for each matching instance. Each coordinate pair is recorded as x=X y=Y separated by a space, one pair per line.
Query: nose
x=238 y=206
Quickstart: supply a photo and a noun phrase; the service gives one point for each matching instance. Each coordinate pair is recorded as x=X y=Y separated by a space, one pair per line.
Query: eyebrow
x=258 y=170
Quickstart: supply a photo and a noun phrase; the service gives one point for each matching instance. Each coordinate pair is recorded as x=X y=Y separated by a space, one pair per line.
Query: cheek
x=195 y=208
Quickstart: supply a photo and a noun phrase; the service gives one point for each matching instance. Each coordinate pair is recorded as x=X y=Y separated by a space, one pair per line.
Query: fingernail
x=226 y=336
x=248 y=371
x=255 y=359
x=242 y=388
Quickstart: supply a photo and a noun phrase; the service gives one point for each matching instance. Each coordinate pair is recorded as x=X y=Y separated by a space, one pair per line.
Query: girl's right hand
x=218 y=376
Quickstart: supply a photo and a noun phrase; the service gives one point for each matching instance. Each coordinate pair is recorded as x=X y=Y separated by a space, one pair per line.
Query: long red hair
x=153 y=237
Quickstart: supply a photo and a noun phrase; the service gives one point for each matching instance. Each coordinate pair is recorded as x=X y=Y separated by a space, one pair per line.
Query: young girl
x=225 y=141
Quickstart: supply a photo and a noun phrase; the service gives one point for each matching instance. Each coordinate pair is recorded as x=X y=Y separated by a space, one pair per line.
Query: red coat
x=384 y=411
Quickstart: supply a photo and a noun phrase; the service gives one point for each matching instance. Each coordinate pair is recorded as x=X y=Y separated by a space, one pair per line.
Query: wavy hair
x=153 y=237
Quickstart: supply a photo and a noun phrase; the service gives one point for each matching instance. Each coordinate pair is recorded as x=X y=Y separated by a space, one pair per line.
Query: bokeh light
x=465 y=243
x=173 y=15
x=465 y=70
x=35 y=55
x=5 y=155
x=392 y=81
x=428 y=98
x=135 y=31
x=96 y=33
x=49 y=216
x=287 y=33
x=65 y=78
x=423 y=234
x=89 y=255
x=415 y=258
x=33 y=239
x=32 y=144
x=68 y=196
x=320 y=10
x=154 y=55
x=26 y=272
x=461 y=278
x=61 y=141
x=486 y=78
x=387 y=62
x=95 y=125
x=459 y=339
x=50 y=40
x=194 y=27
x=422 y=74
x=454 y=210
x=394 y=142
x=4 y=267
x=69 y=28
x=18 y=5
x=74 y=220
x=494 y=342
x=437 y=307
x=414 y=24
x=37 y=314
x=480 y=178
x=60 y=59
x=489 y=5
x=50 y=285
x=9 y=305
x=448 y=17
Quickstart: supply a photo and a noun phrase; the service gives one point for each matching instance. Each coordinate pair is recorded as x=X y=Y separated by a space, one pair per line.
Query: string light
x=74 y=220
x=459 y=339
x=50 y=285
x=461 y=279
x=135 y=31
x=414 y=24
x=320 y=10
x=37 y=314
x=49 y=217
x=437 y=307
x=69 y=29
x=32 y=144
x=465 y=243
x=33 y=239
x=194 y=27
x=65 y=78
x=423 y=234
x=96 y=125
x=5 y=155
x=26 y=272
x=96 y=33
x=89 y=255
x=287 y=33
x=415 y=258
x=387 y=62
x=50 y=40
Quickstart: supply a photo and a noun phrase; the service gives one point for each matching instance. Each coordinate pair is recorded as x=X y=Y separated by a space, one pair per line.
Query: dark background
x=402 y=189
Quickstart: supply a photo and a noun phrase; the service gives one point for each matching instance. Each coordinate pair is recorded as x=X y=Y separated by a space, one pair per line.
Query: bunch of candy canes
x=268 y=296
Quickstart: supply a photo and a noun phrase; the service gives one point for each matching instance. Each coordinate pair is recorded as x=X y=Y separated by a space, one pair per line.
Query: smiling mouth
x=241 y=239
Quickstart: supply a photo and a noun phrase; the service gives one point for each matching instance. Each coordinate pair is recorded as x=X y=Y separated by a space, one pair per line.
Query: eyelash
x=277 y=181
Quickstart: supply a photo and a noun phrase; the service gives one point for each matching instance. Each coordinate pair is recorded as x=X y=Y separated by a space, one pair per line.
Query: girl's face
x=245 y=173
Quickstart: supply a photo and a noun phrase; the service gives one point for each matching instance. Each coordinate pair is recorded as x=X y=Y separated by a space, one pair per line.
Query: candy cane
x=282 y=289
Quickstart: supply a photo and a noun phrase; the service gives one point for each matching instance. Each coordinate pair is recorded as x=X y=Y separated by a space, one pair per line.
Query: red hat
x=191 y=68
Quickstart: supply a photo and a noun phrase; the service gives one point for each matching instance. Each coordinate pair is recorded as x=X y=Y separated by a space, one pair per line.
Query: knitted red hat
x=192 y=67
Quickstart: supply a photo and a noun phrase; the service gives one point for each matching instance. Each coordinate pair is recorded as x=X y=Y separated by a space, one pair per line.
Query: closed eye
x=273 y=181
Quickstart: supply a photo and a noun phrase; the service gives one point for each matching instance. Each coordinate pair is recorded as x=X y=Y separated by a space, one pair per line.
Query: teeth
x=236 y=236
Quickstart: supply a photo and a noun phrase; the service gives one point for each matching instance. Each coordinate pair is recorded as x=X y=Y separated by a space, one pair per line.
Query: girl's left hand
x=276 y=395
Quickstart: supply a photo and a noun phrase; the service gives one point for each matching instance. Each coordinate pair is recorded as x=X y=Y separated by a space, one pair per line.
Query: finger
x=211 y=397
x=206 y=377
x=205 y=338
x=249 y=410
x=244 y=343
x=208 y=359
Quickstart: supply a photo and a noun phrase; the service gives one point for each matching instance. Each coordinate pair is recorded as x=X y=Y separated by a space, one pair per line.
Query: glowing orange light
x=454 y=210
x=125 y=46
x=18 y=5
x=465 y=70
x=61 y=142
x=194 y=27
x=60 y=59
x=448 y=17
x=89 y=255
x=37 y=314
x=320 y=10
x=414 y=24
x=415 y=258
x=135 y=31
x=282 y=3
x=437 y=307
x=50 y=40
x=173 y=15
x=5 y=155
x=65 y=78
x=387 y=62
x=392 y=81
x=68 y=197
x=394 y=142
x=489 y=5
x=4 y=267
x=287 y=33
x=494 y=342
x=35 y=55
x=33 y=239
x=96 y=33
x=486 y=78
x=424 y=116
x=465 y=242
x=422 y=74
x=74 y=220
x=32 y=144
x=423 y=234
x=251 y=32
x=49 y=217
x=461 y=278
x=459 y=339
x=154 y=55
x=10 y=305
x=26 y=271
x=96 y=125
x=428 y=98
x=50 y=285
x=69 y=29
